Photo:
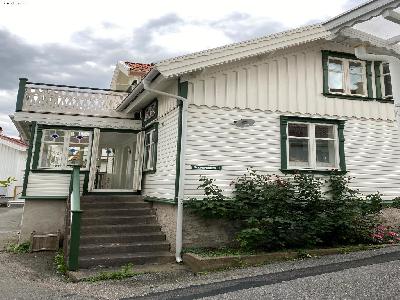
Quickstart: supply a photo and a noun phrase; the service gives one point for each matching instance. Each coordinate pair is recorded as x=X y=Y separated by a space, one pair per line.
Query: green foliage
x=7 y=182
x=19 y=248
x=216 y=252
x=396 y=202
x=275 y=212
x=125 y=272
x=59 y=263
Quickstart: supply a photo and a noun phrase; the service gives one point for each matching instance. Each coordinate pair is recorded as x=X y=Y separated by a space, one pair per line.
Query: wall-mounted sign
x=207 y=167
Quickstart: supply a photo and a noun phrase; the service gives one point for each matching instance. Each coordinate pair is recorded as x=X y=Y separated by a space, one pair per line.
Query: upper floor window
x=347 y=76
x=58 y=147
x=386 y=81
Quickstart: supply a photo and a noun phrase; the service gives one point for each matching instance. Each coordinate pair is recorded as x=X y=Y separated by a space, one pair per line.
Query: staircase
x=116 y=230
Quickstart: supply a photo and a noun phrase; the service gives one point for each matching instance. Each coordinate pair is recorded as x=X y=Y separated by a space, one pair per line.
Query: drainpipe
x=179 y=216
x=394 y=64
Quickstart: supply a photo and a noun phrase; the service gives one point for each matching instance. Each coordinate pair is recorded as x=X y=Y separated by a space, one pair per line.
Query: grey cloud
x=350 y=4
x=62 y=64
x=239 y=26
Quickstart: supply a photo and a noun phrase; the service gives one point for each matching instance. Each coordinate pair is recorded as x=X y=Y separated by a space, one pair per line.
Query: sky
x=76 y=42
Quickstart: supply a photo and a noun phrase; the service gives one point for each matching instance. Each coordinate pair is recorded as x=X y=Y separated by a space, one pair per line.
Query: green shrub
x=19 y=248
x=396 y=202
x=275 y=212
x=59 y=263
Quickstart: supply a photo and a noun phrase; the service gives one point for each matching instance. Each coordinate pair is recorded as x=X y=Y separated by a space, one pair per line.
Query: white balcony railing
x=69 y=100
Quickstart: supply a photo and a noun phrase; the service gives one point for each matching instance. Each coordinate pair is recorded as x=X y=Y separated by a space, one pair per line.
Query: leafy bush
x=19 y=248
x=275 y=212
x=385 y=235
x=59 y=263
x=396 y=202
x=126 y=271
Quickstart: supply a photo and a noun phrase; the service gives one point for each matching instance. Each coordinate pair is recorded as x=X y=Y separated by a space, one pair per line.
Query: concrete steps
x=116 y=230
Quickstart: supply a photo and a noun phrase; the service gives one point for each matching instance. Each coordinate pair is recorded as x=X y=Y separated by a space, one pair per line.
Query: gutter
x=394 y=64
x=182 y=150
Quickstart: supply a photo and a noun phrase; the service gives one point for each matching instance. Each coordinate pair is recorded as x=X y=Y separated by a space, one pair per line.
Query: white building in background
x=13 y=154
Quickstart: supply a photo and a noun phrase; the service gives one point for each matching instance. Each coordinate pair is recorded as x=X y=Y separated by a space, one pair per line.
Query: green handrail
x=75 y=231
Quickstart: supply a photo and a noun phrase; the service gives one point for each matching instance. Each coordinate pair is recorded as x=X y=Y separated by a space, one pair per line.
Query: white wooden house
x=308 y=99
x=13 y=154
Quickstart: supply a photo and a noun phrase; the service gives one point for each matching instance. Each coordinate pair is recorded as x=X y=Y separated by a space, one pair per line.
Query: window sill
x=310 y=171
x=355 y=97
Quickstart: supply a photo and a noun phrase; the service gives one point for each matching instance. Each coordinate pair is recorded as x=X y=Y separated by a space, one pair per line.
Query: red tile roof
x=13 y=140
x=139 y=67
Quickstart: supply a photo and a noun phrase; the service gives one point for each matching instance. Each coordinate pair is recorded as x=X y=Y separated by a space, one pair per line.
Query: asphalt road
x=360 y=275
x=376 y=277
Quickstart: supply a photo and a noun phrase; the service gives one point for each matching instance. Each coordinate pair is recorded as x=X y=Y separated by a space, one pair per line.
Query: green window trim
x=284 y=120
x=183 y=88
x=38 y=147
x=368 y=66
x=378 y=85
x=29 y=159
x=154 y=127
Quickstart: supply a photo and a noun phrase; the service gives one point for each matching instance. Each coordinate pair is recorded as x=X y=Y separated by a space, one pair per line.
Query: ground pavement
x=373 y=274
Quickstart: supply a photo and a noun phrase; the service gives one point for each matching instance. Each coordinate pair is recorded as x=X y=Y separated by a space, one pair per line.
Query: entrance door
x=115 y=162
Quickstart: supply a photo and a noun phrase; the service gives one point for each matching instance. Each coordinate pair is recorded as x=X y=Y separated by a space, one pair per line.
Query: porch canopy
x=375 y=24
x=62 y=105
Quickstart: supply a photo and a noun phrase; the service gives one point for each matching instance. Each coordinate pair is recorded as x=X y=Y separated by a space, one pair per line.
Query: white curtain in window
x=93 y=158
x=137 y=171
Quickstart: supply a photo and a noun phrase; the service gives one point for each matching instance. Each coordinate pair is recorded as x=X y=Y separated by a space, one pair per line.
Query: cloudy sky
x=79 y=42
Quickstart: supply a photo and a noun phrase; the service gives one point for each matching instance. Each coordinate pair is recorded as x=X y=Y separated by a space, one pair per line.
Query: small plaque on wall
x=206 y=167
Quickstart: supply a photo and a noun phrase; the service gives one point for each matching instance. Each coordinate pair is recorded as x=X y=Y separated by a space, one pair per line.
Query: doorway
x=115 y=162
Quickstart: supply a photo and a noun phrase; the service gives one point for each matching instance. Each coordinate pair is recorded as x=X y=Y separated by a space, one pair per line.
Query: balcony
x=69 y=100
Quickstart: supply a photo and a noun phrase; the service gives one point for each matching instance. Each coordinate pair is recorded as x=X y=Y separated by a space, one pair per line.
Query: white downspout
x=179 y=216
x=394 y=64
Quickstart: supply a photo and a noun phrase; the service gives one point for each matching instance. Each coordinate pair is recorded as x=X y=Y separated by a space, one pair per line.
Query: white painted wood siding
x=290 y=82
x=12 y=164
x=372 y=149
x=50 y=184
x=161 y=184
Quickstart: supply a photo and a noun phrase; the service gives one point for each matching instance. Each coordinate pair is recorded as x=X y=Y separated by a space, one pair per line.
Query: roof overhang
x=352 y=28
x=22 y=120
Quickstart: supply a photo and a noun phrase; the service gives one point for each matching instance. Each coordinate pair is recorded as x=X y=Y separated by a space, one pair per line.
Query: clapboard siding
x=167 y=104
x=161 y=184
x=288 y=83
x=50 y=184
x=12 y=164
x=371 y=149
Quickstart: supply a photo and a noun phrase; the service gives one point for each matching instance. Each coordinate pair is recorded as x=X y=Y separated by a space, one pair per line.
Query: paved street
x=363 y=275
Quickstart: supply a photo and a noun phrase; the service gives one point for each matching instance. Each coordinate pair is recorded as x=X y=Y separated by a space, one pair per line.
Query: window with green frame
x=312 y=144
x=150 y=149
x=56 y=147
x=345 y=75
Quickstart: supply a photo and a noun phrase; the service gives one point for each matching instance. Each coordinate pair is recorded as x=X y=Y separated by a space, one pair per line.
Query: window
x=312 y=144
x=150 y=149
x=346 y=76
x=150 y=112
x=61 y=146
x=386 y=81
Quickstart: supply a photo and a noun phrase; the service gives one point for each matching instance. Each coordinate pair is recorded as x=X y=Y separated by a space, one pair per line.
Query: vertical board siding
x=50 y=184
x=371 y=149
x=161 y=184
x=290 y=83
x=12 y=165
x=167 y=104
